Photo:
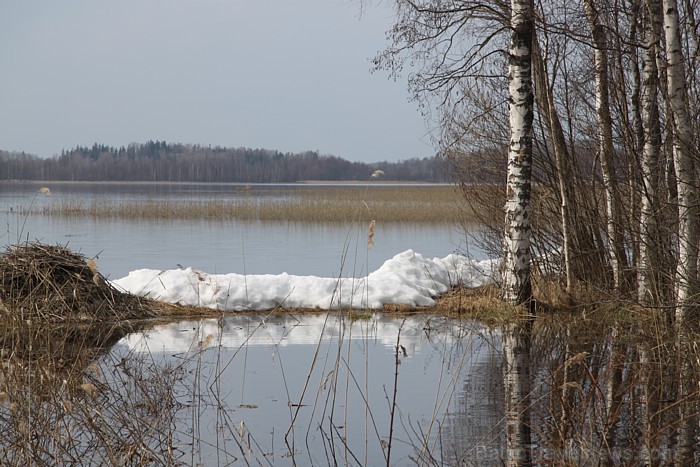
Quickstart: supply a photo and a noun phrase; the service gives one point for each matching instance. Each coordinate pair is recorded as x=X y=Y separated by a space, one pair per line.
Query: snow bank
x=407 y=279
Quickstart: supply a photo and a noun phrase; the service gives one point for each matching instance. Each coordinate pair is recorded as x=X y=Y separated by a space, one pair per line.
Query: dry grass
x=52 y=284
x=481 y=304
x=396 y=203
x=61 y=404
x=62 y=407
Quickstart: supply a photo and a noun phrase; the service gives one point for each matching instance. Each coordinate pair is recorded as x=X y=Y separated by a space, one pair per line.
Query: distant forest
x=167 y=162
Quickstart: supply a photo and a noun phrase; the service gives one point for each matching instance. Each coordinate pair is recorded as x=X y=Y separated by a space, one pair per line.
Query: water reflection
x=613 y=395
x=320 y=389
x=517 y=389
x=316 y=389
x=53 y=404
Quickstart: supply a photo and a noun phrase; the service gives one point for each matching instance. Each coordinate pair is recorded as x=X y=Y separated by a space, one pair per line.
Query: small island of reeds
x=326 y=203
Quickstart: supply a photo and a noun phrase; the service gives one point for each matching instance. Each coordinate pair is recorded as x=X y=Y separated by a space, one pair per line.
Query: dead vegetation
x=396 y=204
x=66 y=399
x=52 y=284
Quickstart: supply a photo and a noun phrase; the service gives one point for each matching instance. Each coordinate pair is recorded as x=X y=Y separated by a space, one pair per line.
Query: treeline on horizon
x=160 y=161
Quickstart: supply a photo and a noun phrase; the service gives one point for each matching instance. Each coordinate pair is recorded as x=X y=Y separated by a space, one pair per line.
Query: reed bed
x=409 y=204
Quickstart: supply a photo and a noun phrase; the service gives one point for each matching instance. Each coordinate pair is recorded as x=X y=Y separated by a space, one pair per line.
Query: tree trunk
x=687 y=409
x=686 y=271
x=642 y=401
x=545 y=103
x=618 y=257
x=517 y=287
x=650 y=160
x=633 y=131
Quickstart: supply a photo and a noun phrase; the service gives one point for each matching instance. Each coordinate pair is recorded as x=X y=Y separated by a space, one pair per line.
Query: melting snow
x=406 y=279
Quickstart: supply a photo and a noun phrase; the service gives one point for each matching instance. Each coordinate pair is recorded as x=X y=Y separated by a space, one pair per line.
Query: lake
x=245 y=247
x=351 y=388
x=316 y=389
x=333 y=389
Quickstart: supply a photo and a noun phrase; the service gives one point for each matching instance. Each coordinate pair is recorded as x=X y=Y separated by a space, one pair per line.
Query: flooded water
x=214 y=247
x=325 y=389
x=320 y=389
x=328 y=389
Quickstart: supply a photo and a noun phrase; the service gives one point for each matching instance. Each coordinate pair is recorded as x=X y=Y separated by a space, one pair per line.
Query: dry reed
x=67 y=406
x=51 y=284
x=410 y=204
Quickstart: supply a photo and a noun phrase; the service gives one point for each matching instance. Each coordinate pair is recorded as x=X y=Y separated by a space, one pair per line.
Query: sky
x=276 y=74
x=408 y=278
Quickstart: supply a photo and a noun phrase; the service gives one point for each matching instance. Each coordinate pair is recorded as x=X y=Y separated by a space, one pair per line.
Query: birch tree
x=651 y=129
x=686 y=179
x=517 y=287
x=613 y=206
x=589 y=237
x=546 y=105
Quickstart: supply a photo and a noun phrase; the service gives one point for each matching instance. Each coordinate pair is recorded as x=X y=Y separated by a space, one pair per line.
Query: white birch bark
x=517 y=287
x=634 y=134
x=546 y=105
x=618 y=257
x=686 y=272
x=650 y=154
x=645 y=445
x=687 y=386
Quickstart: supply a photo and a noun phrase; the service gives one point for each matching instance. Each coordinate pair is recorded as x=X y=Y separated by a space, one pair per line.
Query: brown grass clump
x=52 y=284
x=476 y=303
x=370 y=234
x=480 y=303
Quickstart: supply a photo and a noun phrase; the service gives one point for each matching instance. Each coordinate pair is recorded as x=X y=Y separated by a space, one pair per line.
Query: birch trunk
x=613 y=205
x=650 y=156
x=517 y=287
x=634 y=132
x=545 y=103
x=686 y=271
x=612 y=397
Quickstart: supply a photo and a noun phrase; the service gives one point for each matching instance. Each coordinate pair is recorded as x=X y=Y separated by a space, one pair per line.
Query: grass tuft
x=481 y=303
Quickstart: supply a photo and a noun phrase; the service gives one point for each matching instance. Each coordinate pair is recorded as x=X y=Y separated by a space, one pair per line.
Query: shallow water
x=318 y=389
x=321 y=389
x=214 y=247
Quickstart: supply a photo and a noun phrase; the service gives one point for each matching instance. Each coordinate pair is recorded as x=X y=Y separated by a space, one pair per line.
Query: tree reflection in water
x=587 y=392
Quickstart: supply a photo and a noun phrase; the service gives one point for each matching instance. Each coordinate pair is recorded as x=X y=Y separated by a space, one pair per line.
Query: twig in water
x=396 y=387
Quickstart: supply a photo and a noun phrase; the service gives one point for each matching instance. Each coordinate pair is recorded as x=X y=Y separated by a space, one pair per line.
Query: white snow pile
x=406 y=279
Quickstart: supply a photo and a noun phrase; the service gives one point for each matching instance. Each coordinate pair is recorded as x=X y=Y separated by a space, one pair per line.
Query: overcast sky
x=289 y=75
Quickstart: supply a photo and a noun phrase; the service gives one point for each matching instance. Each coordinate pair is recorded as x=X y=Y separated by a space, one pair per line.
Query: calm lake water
x=314 y=390
x=214 y=247
x=325 y=389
